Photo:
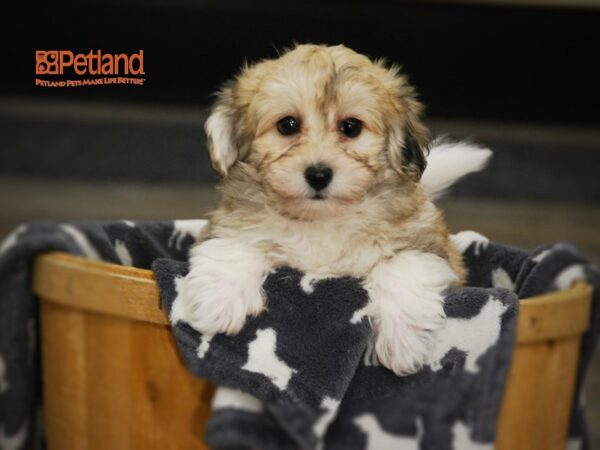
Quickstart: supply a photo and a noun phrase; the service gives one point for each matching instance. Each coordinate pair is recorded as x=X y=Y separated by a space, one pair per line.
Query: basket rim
x=132 y=293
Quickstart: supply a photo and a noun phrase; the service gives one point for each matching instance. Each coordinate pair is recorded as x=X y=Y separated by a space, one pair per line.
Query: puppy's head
x=322 y=128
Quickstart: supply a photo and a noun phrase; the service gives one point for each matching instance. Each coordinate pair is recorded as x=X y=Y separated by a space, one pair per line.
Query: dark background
x=468 y=61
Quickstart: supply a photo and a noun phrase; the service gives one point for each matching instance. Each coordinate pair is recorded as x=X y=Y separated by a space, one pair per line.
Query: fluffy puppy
x=321 y=152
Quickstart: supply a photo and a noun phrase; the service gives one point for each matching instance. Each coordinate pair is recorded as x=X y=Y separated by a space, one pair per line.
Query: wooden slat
x=555 y=315
x=64 y=372
x=132 y=293
x=113 y=378
x=537 y=401
x=111 y=383
x=99 y=287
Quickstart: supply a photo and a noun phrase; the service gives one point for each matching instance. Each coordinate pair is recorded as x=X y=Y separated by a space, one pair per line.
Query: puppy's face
x=323 y=127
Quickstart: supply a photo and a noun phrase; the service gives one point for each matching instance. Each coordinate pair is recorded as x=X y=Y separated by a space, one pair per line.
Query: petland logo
x=63 y=68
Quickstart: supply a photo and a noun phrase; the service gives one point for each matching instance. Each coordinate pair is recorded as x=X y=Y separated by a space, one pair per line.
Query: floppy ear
x=415 y=149
x=409 y=144
x=220 y=133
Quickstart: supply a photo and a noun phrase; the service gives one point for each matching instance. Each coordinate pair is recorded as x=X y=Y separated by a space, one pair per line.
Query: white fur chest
x=329 y=248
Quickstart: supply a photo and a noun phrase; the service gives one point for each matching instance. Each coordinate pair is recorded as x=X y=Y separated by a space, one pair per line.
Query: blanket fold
x=301 y=375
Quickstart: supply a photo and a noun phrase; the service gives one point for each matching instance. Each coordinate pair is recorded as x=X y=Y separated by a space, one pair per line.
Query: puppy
x=321 y=152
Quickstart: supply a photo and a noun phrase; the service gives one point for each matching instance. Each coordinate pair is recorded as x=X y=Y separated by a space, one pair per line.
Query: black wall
x=500 y=63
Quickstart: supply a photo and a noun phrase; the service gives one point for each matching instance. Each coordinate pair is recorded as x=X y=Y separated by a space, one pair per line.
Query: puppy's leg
x=224 y=285
x=407 y=307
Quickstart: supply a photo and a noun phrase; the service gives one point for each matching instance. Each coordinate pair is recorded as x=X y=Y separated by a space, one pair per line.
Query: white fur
x=224 y=286
x=380 y=439
x=450 y=161
x=329 y=247
x=263 y=359
x=407 y=307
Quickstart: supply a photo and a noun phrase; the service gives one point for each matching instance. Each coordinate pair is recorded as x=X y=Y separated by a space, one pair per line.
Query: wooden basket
x=113 y=378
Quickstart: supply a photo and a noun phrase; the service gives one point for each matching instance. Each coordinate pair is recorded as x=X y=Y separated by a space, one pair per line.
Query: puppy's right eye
x=288 y=125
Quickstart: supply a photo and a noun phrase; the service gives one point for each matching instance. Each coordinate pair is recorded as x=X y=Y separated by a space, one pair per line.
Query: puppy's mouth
x=318 y=196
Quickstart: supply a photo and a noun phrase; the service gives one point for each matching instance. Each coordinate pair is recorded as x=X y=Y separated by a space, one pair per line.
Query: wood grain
x=561 y=314
x=112 y=382
x=98 y=287
x=536 y=407
x=113 y=378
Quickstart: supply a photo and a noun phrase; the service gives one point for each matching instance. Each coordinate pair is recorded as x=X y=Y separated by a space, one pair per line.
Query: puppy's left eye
x=350 y=127
x=288 y=125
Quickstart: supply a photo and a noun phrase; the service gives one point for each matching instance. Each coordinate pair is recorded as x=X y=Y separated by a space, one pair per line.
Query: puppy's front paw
x=407 y=308
x=404 y=346
x=214 y=304
x=223 y=287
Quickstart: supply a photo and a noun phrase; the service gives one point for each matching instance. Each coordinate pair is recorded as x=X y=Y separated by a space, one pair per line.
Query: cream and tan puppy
x=321 y=154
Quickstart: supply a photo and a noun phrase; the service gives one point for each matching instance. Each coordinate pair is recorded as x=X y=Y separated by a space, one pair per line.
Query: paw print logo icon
x=46 y=62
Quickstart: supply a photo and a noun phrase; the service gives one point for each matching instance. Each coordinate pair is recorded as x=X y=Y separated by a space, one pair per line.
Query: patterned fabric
x=300 y=375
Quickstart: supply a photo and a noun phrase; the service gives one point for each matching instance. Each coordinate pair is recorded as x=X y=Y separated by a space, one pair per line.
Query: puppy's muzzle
x=318 y=176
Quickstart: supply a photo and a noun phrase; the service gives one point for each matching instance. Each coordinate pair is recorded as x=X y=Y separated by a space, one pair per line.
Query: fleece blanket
x=300 y=376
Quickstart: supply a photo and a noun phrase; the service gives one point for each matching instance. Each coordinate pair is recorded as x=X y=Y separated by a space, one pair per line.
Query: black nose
x=318 y=176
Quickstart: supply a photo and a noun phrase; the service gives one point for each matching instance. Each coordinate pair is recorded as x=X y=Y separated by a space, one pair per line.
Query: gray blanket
x=299 y=376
